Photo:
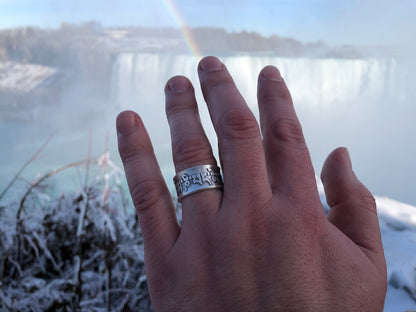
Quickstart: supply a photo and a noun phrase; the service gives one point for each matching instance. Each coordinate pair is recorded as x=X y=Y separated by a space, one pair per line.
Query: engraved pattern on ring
x=197 y=179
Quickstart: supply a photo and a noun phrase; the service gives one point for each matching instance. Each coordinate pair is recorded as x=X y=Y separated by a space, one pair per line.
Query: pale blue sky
x=335 y=21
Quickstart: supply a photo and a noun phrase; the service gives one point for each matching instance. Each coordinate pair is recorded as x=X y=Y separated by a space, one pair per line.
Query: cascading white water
x=364 y=104
x=317 y=82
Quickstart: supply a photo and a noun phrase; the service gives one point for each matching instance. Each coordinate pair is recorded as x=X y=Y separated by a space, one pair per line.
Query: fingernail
x=271 y=73
x=210 y=64
x=178 y=85
x=126 y=123
x=347 y=156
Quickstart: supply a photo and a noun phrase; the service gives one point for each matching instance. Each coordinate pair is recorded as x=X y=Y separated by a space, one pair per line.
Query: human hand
x=263 y=243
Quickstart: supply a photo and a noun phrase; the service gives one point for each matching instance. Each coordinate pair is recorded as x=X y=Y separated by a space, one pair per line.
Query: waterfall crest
x=313 y=82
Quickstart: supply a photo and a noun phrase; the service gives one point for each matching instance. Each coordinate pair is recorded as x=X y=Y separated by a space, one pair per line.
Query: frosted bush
x=55 y=258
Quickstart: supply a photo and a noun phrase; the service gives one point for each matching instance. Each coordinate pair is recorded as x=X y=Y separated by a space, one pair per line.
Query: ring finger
x=190 y=145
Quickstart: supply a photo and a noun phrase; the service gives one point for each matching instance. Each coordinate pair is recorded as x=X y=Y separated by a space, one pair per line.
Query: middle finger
x=239 y=139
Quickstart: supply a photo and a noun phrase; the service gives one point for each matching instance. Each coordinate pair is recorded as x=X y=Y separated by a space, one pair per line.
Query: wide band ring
x=197 y=179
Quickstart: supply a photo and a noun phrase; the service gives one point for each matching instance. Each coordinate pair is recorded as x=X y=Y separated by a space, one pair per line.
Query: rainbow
x=189 y=39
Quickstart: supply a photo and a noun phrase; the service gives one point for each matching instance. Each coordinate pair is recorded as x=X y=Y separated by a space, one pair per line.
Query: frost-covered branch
x=74 y=252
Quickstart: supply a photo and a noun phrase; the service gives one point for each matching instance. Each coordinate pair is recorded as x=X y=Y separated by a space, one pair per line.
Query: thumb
x=353 y=208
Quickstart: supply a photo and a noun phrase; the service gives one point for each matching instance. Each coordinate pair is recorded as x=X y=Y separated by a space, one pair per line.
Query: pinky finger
x=148 y=189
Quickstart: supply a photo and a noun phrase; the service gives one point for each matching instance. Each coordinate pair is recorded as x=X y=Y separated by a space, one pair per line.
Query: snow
x=20 y=77
x=398 y=301
x=398 y=230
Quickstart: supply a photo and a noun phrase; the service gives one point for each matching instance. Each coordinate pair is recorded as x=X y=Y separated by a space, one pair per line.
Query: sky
x=362 y=22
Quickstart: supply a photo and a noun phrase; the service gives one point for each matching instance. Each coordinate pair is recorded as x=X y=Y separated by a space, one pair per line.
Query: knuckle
x=367 y=201
x=173 y=108
x=370 y=240
x=127 y=155
x=146 y=194
x=288 y=131
x=130 y=152
x=191 y=150
x=217 y=81
x=279 y=93
x=239 y=124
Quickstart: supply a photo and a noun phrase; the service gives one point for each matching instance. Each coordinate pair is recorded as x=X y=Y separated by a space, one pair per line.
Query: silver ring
x=197 y=179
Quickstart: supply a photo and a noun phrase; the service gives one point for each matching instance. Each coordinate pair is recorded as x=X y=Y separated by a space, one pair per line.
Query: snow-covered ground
x=20 y=77
x=398 y=231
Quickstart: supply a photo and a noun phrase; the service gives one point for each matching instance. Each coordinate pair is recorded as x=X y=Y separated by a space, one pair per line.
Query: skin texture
x=264 y=242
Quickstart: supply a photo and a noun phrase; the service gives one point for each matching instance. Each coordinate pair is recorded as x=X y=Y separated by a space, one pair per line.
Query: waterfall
x=313 y=82
x=364 y=104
